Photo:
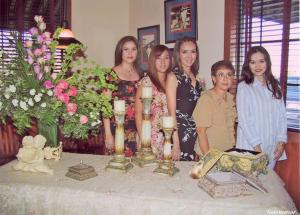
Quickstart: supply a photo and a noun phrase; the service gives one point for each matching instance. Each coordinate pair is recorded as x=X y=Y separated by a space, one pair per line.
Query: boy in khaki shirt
x=215 y=112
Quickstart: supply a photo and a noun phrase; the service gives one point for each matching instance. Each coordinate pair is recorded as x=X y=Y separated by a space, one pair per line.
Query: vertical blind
x=275 y=25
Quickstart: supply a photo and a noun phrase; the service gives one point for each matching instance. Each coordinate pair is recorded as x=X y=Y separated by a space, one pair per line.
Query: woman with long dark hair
x=183 y=91
x=159 y=65
x=262 y=124
x=128 y=74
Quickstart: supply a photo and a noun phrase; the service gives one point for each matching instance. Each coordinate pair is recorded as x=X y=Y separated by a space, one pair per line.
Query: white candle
x=119 y=105
x=147 y=92
x=167 y=150
x=167 y=122
x=146 y=130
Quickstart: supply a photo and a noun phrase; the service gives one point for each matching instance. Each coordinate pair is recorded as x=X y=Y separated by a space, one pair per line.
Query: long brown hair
x=119 y=50
x=248 y=77
x=177 y=62
x=156 y=52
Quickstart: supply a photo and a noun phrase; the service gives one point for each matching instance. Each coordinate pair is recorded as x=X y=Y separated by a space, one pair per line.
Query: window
x=18 y=16
x=275 y=25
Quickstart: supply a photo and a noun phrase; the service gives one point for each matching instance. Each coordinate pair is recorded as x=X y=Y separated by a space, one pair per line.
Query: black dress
x=186 y=100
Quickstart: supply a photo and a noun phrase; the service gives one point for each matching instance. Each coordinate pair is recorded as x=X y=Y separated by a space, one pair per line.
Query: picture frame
x=148 y=37
x=180 y=19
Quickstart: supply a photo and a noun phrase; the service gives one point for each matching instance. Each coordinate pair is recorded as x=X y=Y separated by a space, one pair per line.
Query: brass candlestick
x=119 y=163
x=145 y=156
x=167 y=167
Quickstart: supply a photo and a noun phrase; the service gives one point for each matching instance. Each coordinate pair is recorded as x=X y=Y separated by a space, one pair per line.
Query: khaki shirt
x=218 y=116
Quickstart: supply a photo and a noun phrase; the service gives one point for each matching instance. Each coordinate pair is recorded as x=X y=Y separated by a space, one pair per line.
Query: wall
x=100 y=24
x=145 y=13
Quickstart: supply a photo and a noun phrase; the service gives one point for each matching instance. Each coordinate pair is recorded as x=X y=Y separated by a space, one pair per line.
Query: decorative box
x=224 y=185
x=81 y=172
x=243 y=161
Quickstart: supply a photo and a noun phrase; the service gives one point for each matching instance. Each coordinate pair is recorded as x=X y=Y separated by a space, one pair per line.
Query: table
x=139 y=191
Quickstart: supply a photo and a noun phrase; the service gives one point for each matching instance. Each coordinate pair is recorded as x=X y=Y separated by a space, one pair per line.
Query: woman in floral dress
x=183 y=91
x=159 y=65
x=127 y=70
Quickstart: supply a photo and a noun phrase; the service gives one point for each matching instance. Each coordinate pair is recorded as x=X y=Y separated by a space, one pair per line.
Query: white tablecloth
x=139 y=191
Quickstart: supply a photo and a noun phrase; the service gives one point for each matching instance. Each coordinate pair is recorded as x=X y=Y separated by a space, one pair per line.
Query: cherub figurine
x=31 y=155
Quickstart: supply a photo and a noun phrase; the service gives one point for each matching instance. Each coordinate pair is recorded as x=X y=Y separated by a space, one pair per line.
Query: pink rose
x=83 y=119
x=28 y=43
x=62 y=84
x=48 y=84
x=64 y=98
x=33 y=31
x=72 y=91
x=57 y=91
x=37 y=52
x=71 y=108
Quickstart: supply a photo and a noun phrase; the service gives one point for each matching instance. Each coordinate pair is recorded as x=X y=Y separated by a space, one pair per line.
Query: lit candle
x=147 y=92
x=119 y=105
x=167 y=122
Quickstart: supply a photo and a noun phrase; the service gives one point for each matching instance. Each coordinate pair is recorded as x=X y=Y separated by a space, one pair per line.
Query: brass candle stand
x=119 y=163
x=145 y=157
x=167 y=167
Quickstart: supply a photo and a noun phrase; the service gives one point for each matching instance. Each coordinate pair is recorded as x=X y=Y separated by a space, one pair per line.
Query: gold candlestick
x=119 y=163
x=145 y=156
x=167 y=167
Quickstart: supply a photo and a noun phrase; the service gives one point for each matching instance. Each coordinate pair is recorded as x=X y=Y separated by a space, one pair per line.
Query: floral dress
x=158 y=109
x=186 y=100
x=126 y=91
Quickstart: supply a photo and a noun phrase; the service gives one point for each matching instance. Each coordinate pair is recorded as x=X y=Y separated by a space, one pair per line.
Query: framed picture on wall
x=148 y=37
x=180 y=19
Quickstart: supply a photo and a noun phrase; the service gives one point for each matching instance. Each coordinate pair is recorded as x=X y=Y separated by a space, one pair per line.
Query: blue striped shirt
x=261 y=119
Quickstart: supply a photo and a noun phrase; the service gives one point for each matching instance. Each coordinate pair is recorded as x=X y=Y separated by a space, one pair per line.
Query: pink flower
x=33 y=31
x=46 y=35
x=28 y=43
x=37 y=69
x=48 y=84
x=71 y=108
x=44 y=48
x=48 y=56
x=72 y=91
x=37 y=52
x=30 y=60
x=83 y=119
x=62 y=84
x=57 y=91
x=29 y=53
x=64 y=97
x=40 y=39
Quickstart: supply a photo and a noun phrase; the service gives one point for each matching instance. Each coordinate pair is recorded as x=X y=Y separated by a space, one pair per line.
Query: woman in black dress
x=183 y=91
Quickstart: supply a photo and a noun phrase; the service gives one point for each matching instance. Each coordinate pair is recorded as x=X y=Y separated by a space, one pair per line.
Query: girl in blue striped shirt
x=262 y=122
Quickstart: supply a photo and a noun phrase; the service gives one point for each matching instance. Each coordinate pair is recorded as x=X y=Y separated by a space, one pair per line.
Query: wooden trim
x=288 y=169
x=229 y=20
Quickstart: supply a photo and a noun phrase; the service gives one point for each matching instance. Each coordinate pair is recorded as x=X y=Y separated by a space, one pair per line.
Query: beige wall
x=210 y=28
x=100 y=24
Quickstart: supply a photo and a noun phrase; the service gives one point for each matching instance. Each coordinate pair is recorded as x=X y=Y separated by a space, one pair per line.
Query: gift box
x=243 y=161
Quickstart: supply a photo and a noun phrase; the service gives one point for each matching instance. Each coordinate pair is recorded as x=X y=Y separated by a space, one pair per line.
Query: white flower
x=32 y=92
x=40 y=94
x=43 y=104
x=6 y=95
x=15 y=102
x=50 y=93
x=37 y=98
x=12 y=88
x=23 y=105
x=94 y=123
x=30 y=102
x=42 y=26
x=38 y=19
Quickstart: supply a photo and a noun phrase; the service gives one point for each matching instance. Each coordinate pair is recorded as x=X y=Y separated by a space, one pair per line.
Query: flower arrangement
x=30 y=90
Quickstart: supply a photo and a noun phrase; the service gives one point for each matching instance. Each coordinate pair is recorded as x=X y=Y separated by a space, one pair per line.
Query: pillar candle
x=167 y=150
x=167 y=122
x=147 y=92
x=119 y=105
